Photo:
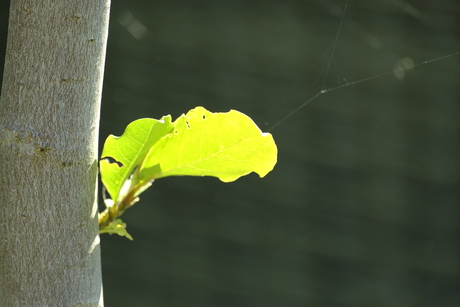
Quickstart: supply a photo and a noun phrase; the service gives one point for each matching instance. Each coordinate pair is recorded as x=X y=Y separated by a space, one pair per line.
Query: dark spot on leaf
x=188 y=124
x=176 y=132
x=112 y=160
x=204 y=116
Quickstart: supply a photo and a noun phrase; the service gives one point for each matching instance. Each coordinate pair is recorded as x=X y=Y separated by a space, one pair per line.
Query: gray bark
x=49 y=122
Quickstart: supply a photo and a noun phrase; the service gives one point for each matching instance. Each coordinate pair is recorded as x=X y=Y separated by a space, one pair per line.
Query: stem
x=115 y=211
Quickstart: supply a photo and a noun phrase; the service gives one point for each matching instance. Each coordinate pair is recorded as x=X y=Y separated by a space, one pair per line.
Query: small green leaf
x=128 y=151
x=117 y=226
x=224 y=145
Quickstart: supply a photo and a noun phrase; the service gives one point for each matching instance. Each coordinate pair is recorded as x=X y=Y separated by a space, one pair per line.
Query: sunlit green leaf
x=118 y=227
x=224 y=145
x=128 y=150
x=200 y=143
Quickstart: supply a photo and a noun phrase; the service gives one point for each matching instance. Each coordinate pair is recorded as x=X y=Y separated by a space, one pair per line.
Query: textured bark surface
x=49 y=122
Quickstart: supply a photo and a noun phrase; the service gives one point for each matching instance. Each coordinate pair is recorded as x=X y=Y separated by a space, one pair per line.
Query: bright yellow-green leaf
x=117 y=226
x=128 y=150
x=200 y=143
x=224 y=145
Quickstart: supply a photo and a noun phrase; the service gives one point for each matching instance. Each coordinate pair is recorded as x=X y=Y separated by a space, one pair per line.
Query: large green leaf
x=224 y=145
x=128 y=151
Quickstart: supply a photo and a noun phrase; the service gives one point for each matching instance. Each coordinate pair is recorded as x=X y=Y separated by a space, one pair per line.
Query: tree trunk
x=49 y=123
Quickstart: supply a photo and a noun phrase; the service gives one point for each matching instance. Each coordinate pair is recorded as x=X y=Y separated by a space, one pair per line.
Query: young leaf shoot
x=199 y=143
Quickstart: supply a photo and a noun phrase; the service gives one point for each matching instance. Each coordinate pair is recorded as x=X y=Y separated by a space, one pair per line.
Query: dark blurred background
x=363 y=207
